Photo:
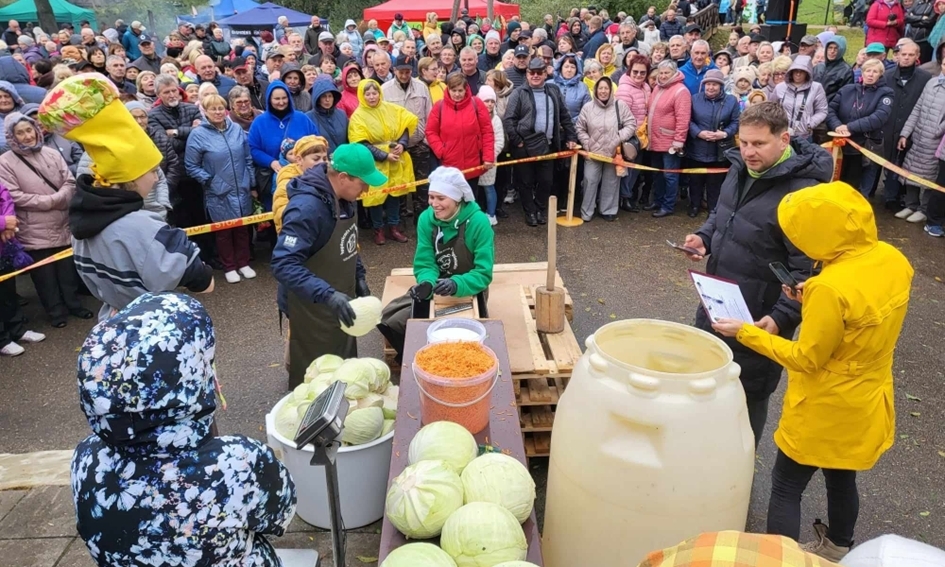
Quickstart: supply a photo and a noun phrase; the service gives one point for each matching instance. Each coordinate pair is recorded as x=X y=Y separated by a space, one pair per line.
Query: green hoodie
x=479 y=239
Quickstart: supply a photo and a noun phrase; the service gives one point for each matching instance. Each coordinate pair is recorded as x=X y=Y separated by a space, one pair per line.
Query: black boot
x=542 y=219
x=626 y=205
x=531 y=219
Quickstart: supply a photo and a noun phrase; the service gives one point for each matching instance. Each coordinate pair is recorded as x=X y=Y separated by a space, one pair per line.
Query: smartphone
x=784 y=276
x=685 y=249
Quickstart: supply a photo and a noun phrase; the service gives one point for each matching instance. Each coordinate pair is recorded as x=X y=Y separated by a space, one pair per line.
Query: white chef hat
x=450 y=182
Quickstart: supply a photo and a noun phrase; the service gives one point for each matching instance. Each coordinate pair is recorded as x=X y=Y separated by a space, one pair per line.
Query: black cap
x=693 y=28
x=144 y=38
x=236 y=62
x=536 y=63
x=526 y=33
x=522 y=51
x=403 y=62
x=756 y=38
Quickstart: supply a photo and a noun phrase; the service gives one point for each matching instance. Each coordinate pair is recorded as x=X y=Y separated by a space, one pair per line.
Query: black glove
x=416 y=292
x=361 y=288
x=445 y=287
x=338 y=303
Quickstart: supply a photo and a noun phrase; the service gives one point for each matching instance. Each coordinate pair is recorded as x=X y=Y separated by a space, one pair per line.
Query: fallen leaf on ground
x=941 y=454
x=600 y=300
x=275 y=365
x=366 y=559
x=925 y=514
x=914 y=413
x=612 y=316
x=913 y=398
x=588 y=309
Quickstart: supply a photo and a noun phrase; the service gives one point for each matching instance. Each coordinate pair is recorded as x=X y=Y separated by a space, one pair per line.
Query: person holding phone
x=885 y=23
x=838 y=413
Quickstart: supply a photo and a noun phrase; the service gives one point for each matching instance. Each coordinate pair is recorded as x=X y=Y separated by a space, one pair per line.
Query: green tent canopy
x=24 y=11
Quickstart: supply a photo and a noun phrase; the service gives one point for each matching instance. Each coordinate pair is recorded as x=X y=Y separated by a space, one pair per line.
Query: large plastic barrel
x=651 y=445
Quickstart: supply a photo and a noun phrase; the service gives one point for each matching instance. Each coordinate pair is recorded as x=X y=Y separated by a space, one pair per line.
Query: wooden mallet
x=549 y=300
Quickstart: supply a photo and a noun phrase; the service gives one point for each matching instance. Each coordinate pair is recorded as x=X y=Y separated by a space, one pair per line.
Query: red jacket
x=460 y=133
x=669 y=115
x=877 y=28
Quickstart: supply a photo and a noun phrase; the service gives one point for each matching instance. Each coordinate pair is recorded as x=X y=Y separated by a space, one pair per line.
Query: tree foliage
x=534 y=11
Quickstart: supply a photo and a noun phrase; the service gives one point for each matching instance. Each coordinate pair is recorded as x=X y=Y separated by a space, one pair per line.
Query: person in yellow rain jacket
x=838 y=412
x=384 y=128
x=307 y=152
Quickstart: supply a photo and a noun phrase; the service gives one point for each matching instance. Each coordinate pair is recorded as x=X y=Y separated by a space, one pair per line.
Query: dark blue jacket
x=720 y=113
x=268 y=131
x=220 y=161
x=333 y=123
x=223 y=84
x=13 y=72
x=307 y=224
x=693 y=78
x=669 y=28
x=596 y=40
x=864 y=109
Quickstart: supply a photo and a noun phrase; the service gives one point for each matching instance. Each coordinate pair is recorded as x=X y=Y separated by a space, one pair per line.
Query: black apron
x=453 y=258
x=315 y=330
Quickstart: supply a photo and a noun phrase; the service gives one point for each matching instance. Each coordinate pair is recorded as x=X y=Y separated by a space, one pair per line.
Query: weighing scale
x=322 y=426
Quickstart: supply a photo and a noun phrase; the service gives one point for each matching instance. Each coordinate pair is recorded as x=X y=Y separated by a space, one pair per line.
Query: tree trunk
x=489 y=13
x=454 y=15
x=47 y=20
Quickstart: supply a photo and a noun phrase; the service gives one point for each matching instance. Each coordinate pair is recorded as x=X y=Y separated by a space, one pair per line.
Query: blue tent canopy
x=265 y=16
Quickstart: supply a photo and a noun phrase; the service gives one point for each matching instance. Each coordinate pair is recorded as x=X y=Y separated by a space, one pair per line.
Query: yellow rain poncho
x=380 y=126
x=838 y=409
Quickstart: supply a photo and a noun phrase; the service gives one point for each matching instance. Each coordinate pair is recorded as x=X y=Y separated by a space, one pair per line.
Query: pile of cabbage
x=372 y=400
x=476 y=504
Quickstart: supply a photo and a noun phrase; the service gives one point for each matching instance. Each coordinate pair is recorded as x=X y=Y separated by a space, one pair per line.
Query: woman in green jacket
x=455 y=254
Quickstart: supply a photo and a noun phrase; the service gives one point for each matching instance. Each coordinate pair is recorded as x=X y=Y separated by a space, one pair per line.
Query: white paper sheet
x=722 y=299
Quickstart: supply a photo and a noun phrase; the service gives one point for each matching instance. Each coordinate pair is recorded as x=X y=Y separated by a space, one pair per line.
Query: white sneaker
x=493 y=221
x=33 y=337
x=917 y=216
x=510 y=197
x=232 y=277
x=12 y=349
x=247 y=272
x=904 y=213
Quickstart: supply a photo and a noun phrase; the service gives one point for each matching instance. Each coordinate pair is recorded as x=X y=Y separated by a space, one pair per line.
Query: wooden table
x=503 y=430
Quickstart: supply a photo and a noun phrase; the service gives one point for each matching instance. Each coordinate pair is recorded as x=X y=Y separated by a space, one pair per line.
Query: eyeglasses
x=638 y=72
x=536 y=71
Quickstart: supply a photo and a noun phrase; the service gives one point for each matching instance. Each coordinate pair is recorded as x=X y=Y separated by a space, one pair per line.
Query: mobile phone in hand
x=784 y=276
x=685 y=249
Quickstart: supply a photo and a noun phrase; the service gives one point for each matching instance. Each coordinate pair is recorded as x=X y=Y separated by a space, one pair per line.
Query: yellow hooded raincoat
x=380 y=126
x=838 y=409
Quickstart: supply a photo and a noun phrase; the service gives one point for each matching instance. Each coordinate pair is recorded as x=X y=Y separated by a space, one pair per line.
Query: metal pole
x=334 y=507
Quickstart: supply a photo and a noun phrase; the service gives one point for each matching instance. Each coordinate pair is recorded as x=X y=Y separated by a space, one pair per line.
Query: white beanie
x=492 y=34
x=486 y=93
x=450 y=182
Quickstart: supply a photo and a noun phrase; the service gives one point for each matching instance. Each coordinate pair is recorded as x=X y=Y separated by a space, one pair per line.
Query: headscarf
x=10 y=123
x=450 y=182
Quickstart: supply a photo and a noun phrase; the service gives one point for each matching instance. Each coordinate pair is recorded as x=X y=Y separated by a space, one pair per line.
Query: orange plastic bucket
x=465 y=401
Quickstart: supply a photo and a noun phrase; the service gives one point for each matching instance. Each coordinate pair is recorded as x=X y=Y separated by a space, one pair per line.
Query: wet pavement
x=613 y=271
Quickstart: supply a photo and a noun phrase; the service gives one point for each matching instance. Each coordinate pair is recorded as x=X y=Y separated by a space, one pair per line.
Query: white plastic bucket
x=362 y=478
x=456 y=329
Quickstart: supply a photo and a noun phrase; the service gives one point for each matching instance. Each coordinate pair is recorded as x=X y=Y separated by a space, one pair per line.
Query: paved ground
x=613 y=271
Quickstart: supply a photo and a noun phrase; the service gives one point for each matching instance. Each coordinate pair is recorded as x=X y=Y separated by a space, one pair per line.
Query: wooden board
x=503 y=431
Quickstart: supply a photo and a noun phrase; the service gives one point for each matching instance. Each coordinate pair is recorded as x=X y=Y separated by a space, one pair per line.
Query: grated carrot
x=454 y=360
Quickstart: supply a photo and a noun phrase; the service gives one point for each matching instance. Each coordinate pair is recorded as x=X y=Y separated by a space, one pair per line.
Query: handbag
x=631 y=148
x=642 y=135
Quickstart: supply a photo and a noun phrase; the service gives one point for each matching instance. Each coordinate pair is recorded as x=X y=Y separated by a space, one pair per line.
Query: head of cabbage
x=418 y=555
x=502 y=480
x=516 y=564
x=422 y=497
x=381 y=375
x=287 y=418
x=482 y=534
x=446 y=441
x=358 y=376
x=367 y=312
x=363 y=426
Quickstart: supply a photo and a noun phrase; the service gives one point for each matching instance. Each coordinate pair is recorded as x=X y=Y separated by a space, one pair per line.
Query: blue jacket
x=307 y=224
x=864 y=109
x=13 y=72
x=720 y=113
x=268 y=131
x=220 y=161
x=130 y=42
x=693 y=78
x=573 y=90
x=333 y=123
x=596 y=40
x=223 y=84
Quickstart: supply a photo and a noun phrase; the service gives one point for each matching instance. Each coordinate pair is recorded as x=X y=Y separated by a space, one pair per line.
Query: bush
x=534 y=11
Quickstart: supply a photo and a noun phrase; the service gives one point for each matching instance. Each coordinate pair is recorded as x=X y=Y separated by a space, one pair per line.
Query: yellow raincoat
x=838 y=409
x=381 y=125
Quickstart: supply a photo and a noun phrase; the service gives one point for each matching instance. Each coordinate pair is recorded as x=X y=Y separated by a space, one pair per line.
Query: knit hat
x=287 y=145
x=306 y=143
x=25 y=40
x=714 y=76
x=493 y=35
x=486 y=93
x=512 y=26
x=135 y=105
x=450 y=182
x=86 y=109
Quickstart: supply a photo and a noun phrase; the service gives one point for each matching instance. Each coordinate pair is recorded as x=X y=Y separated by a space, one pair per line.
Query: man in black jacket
x=257 y=87
x=149 y=61
x=537 y=123
x=742 y=236
x=311 y=35
x=670 y=26
x=907 y=81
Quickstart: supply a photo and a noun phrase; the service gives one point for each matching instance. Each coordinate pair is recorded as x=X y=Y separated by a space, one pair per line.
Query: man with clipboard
x=742 y=236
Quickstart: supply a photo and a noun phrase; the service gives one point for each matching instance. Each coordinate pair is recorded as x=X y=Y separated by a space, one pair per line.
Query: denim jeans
x=391 y=206
x=789 y=479
x=491 y=199
x=628 y=181
x=666 y=185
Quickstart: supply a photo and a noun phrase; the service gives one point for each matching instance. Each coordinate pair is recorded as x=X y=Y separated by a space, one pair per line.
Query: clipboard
x=721 y=298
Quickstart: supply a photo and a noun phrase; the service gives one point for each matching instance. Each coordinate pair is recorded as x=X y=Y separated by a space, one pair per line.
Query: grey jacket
x=158 y=200
x=597 y=125
x=925 y=127
x=416 y=99
x=805 y=104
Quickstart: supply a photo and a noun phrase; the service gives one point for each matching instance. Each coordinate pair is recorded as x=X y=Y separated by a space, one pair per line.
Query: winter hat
x=287 y=145
x=86 y=109
x=112 y=35
x=9 y=124
x=493 y=35
x=135 y=105
x=714 y=76
x=486 y=93
x=25 y=40
x=450 y=182
x=306 y=143
x=512 y=26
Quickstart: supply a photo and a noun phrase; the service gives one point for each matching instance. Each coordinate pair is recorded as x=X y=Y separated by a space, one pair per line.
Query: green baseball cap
x=356 y=160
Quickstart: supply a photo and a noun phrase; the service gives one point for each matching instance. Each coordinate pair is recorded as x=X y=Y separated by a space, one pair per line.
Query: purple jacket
x=6 y=209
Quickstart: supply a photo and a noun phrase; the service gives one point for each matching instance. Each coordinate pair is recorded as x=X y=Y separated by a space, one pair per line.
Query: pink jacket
x=669 y=115
x=42 y=214
x=877 y=20
x=637 y=98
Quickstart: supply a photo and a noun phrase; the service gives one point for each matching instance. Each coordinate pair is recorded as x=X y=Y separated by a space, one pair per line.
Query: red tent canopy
x=416 y=10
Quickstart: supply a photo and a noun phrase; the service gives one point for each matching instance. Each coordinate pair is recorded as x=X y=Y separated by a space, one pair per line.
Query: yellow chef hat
x=86 y=109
